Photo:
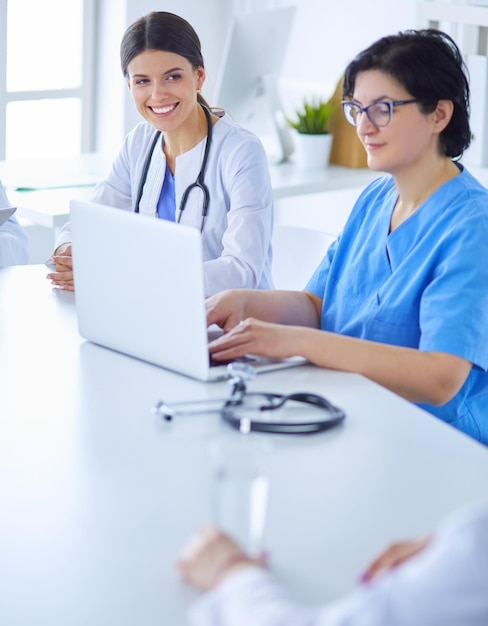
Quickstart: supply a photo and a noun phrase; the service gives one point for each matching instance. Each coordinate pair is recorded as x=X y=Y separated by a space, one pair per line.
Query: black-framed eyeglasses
x=379 y=113
x=298 y=413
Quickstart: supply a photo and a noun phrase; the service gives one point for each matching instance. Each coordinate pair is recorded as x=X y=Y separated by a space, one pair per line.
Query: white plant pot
x=312 y=151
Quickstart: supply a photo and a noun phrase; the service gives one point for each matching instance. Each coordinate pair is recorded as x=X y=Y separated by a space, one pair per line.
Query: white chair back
x=297 y=251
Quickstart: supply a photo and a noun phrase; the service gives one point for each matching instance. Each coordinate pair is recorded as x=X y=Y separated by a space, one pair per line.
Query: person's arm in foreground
x=423 y=583
x=254 y=321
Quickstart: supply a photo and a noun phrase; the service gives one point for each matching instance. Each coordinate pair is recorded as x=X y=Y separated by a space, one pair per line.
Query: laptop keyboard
x=241 y=359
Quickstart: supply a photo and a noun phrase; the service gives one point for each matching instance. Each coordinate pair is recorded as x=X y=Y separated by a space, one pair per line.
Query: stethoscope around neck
x=199 y=182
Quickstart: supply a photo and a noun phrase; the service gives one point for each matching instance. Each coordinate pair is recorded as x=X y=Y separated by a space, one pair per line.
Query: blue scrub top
x=167 y=199
x=424 y=285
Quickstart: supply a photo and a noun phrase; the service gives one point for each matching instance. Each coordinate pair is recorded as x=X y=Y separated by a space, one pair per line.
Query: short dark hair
x=160 y=30
x=429 y=64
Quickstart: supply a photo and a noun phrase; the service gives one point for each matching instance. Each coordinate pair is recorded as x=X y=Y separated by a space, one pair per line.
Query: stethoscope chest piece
x=198 y=185
x=293 y=413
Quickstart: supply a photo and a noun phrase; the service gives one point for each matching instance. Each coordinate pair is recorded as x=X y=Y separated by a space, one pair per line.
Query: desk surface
x=42 y=188
x=97 y=496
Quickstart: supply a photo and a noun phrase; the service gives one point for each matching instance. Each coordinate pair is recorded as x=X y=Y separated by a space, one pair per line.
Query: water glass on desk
x=239 y=488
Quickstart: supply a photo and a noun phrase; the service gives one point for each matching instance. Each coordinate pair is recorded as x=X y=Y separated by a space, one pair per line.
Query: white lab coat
x=237 y=234
x=14 y=242
x=445 y=585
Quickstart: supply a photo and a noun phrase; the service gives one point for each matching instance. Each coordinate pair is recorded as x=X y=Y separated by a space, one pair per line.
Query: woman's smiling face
x=164 y=87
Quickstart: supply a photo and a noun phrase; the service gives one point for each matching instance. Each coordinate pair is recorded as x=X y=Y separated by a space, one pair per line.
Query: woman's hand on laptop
x=257 y=322
x=226 y=309
x=253 y=336
x=62 y=260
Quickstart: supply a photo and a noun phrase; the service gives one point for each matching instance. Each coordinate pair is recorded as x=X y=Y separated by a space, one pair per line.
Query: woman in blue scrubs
x=402 y=296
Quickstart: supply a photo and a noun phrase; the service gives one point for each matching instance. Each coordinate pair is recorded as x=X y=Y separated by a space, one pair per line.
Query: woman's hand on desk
x=210 y=556
x=395 y=555
x=62 y=277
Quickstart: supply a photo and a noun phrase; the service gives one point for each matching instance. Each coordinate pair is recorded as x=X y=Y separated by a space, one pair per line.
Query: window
x=46 y=77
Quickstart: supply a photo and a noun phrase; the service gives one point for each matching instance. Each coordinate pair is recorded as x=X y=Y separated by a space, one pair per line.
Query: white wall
x=326 y=34
x=110 y=88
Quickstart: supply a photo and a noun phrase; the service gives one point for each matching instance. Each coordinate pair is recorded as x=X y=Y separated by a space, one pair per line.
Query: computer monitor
x=247 y=85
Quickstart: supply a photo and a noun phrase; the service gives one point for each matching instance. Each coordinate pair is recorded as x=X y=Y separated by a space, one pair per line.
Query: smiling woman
x=166 y=98
x=187 y=162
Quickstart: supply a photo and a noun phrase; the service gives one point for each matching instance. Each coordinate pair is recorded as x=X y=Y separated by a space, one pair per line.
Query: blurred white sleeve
x=14 y=242
x=445 y=584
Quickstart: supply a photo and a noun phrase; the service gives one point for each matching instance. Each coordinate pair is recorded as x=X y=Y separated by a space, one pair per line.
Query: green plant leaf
x=312 y=118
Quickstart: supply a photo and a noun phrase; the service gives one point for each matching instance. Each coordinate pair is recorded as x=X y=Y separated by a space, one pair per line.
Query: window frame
x=85 y=92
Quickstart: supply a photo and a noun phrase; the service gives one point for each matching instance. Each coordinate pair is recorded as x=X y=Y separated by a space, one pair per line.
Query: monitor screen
x=247 y=85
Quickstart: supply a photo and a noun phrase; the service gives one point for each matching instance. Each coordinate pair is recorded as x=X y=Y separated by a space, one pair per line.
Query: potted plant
x=312 y=138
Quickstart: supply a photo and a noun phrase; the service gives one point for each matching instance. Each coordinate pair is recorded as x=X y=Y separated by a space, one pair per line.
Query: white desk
x=97 y=497
x=47 y=207
x=44 y=204
x=42 y=188
x=289 y=180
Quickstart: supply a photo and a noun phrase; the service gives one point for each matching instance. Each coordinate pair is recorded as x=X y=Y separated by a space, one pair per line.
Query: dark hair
x=430 y=66
x=160 y=30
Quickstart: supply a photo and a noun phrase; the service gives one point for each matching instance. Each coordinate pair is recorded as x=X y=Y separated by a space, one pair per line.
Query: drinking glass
x=239 y=488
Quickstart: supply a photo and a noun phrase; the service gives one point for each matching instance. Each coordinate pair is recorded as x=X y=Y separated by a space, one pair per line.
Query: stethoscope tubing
x=199 y=182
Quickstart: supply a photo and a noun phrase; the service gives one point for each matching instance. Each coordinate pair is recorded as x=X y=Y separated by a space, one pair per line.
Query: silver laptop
x=139 y=290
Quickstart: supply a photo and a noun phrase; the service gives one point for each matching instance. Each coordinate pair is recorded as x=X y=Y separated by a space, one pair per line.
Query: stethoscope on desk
x=198 y=184
x=292 y=413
